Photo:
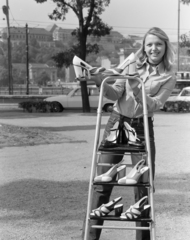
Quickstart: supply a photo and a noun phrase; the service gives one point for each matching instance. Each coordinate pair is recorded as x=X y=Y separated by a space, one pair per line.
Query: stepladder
x=118 y=176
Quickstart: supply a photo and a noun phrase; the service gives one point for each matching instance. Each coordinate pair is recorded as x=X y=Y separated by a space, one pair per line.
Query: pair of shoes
x=134 y=175
x=122 y=135
x=126 y=68
x=83 y=69
x=135 y=211
x=110 y=174
x=105 y=209
x=131 y=135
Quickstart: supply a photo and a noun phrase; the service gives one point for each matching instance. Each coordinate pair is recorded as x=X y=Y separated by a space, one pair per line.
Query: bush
x=37 y=106
x=177 y=106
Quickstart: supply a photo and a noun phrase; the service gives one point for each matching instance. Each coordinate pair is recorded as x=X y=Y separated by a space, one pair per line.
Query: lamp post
x=6 y=12
x=178 y=36
x=27 y=62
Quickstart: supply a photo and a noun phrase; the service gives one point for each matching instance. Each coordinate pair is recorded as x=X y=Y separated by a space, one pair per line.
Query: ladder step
x=122 y=228
x=114 y=218
x=122 y=148
x=114 y=183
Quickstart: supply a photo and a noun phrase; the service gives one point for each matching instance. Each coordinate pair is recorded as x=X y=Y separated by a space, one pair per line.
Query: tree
x=185 y=1
x=19 y=76
x=89 y=25
x=4 y=78
x=185 y=41
x=42 y=79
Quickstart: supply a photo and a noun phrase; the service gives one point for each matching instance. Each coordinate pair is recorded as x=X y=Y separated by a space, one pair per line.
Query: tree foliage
x=185 y=40
x=89 y=25
x=185 y=1
x=4 y=79
x=42 y=79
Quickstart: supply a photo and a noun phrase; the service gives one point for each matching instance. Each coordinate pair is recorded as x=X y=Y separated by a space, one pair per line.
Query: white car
x=179 y=103
x=73 y=100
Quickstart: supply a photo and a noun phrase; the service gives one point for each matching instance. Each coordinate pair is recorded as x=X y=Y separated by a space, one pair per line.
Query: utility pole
x=27 y=62
x=178 y=36
x=6 y=12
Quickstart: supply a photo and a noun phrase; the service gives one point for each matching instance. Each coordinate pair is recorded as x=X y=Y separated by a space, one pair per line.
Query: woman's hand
x=96 y=78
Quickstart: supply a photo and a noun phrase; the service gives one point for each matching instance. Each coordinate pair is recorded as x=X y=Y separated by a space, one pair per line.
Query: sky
x=129 y=17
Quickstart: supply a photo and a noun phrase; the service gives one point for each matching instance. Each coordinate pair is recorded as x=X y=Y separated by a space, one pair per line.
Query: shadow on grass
x=42 y=199
x=70 y=128
x=20 y=114
x=63 y=201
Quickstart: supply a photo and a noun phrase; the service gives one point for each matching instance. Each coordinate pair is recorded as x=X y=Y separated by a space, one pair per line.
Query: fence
x=35 y=90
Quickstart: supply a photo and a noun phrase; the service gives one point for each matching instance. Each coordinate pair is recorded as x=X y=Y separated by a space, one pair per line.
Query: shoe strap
x=133 y=212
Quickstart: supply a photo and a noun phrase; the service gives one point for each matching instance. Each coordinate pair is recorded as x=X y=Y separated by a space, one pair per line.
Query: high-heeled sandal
x=135 y=211
x=113 y=134
x=126 y=68
x=134 y=175
x=105 y=209
x=83 y=69
x=110 y=174
x=131 y=135
x=111 y=140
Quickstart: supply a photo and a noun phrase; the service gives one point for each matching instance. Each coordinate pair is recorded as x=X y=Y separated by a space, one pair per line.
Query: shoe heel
x=121 y=173
x=118 y=209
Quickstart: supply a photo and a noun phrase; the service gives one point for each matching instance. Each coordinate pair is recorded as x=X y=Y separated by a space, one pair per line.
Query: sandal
x=83 y=69
x=133 y=176
x=112 y=139
x=135 y=211
x=114 y=132
x=110 y=174
x=131 y=135
x=126 y=68
x=105 y=209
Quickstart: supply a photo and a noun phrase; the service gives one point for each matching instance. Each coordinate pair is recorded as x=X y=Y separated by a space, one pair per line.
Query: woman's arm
x=155 y=102
x=112 y=92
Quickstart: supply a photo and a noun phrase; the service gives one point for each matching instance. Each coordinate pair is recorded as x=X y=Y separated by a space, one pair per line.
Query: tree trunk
x=84 y=90
x=85 y=98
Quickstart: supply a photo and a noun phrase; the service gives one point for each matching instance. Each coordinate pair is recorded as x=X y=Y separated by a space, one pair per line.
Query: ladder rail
x=96 y=142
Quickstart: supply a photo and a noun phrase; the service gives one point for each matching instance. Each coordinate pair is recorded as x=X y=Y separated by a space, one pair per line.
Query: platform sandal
x=105 y=209
x=135 y=211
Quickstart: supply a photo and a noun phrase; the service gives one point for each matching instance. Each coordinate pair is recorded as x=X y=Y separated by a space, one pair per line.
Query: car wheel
x=108 y=108
x=57 y=107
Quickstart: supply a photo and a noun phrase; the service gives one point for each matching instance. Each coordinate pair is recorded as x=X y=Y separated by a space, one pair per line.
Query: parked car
x=73 y=100
x=179 y=103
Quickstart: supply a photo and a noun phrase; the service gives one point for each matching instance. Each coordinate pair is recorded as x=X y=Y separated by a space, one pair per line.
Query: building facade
x=36 y=69
x=43 y=37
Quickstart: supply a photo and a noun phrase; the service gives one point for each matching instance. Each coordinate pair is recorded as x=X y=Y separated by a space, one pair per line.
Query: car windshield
x=66 y=91
x=186 y=92
x=175 y=92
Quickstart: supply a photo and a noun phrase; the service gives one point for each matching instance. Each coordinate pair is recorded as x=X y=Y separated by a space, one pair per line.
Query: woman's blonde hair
x=169 y=55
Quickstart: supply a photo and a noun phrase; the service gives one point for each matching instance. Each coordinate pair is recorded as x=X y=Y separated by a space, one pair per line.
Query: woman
x=154 y=65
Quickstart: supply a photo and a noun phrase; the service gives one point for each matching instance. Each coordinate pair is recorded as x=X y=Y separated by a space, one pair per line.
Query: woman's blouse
x=159 y=84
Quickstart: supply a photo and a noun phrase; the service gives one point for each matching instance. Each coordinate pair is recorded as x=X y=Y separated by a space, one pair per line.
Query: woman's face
x=154 y=48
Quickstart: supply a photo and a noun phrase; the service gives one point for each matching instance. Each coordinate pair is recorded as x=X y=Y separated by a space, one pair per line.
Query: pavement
x=9 y=106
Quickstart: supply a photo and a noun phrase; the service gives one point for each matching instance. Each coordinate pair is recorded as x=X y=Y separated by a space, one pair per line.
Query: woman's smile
x=154 y=48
